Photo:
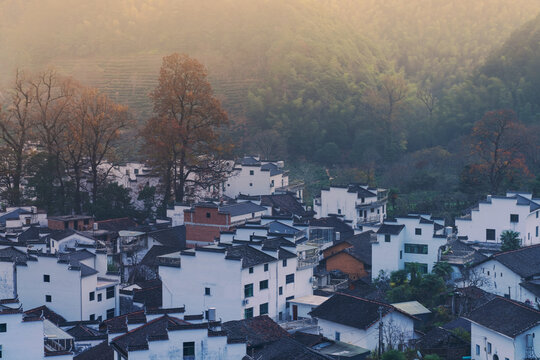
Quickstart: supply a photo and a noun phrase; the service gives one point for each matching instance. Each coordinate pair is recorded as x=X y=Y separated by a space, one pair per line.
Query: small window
x=400 y=254
x=477 y=349
x=537 y=230
x=251 y=172
x=27 y=220
x=91 y=296
x=280 y=316
x=46 y=278
x=363 y=200
x=110 y=292
x=136 y=171
x=263 y=284
x=418 y=231
x=208 y=215
x=251 y=270
x=263 y=309
x=339 y=211
x=490 y=234
x=281 y=290
x=110 y=313
x=284 y=262
x=250 y=184
x=48 y=298
x=92 y=317
x=248 y=290
x=100 y=318
x=265 y=267
x=207 y=291
x=372 y=210
x=248 y=313
x=489 y=348
x=287 y=299
x=99 y=297
x=514 y=218
x=289 y=279
x=337 y=336
x=387 y=238
x=189 y=348
x=0 y=351
x=3 y=327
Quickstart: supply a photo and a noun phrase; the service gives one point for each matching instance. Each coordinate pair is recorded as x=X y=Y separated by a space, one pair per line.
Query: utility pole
x=380 y=331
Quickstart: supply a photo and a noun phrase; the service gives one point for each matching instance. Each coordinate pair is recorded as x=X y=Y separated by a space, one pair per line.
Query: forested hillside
x=382 y=91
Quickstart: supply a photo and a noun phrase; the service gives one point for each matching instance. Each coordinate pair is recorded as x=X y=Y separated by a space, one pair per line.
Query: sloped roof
x=276 y=243
x=352 y=311
x=332 y=222
x=241 y=208
x=82 y=332
x=31 y=234
x=150 y=258
x=524 y=261
x=118 y=324
x=362 y=192
x=13 y=215
x=46 y=313
x=276 y=227
x=256 y=331
x=272 y=168
x=286 y=203
x=13 y=254
x=506 y=316
x=174 y=237
x=101 y=351
x=390 y=229
x=62 y=234
x=115 y=225
x=288 y=349
x=249 y=256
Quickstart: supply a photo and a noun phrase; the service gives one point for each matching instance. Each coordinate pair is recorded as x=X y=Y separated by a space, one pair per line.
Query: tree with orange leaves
x=497 y=144
x=182 y=140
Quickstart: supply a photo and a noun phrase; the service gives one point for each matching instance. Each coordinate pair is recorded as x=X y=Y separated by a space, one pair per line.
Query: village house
x=18 y=218
x=251 y=176
x=355 y=320
x=406 y=240
x=359 y=204
x=351 y=256
x=513 y=274
x=73 y=284
x=204 y=222
x=25 y=337
x=516 y=212
x=503 y=329
x=74 y=222
x=251 y=281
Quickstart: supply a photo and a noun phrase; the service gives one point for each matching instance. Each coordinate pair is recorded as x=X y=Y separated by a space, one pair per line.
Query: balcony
x=307 y=263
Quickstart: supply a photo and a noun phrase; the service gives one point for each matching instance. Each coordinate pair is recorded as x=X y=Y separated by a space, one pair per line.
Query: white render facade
x=516 y=211
x=206 y=278
x=358 y=204
x=21 y=340
x=411 y=239
x=75 y=292
x=251 y=176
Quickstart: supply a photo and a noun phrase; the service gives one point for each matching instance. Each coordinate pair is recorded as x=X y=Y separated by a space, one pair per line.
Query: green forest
x=436 y=100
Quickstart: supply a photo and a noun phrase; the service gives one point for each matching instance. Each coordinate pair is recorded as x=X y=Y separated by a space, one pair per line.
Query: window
x=284 y=262
x=251 y=172
x=251 y=270
x=280 y=316
x=91 y=296
x=207 y=291
x=48 y=298
x=248 y=290
x=477 y=349
x=339 y=211
x=400 y=254
x=110 y=292
x=288 y=304
x=27 y=220
x=100 y=318
x=248 y=313
x=110 y=313
x=99 y=297
x=281 y=290
x=136 y=171
x=337 y=336
x=514 y=218
x=489 y=348
x=92 y=317
x=189 y=349
x=208 y=215
x=537 y=230
x=490 y=234
x=265 y=267
x=47 y=278
x=416 y=249
x=263 y=285
x=3 y=327
x=272 y=183
x=363 y=200
x=387 y=238
x=263 y=309
x=289 y=279
x=422 y=268
x=250 y=184
x=0 y=351
x=372 y=210
x=418 y=231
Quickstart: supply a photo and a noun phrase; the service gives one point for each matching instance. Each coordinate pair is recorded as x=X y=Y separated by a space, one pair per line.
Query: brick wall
x=346 y=264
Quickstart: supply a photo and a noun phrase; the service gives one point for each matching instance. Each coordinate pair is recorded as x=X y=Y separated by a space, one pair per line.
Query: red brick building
x=352 y=256
x=74 y=222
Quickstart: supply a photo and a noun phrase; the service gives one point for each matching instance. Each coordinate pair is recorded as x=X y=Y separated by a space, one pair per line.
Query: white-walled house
x=513 y=274
x=503 y=329
x=516 y=211
x=23 y=337
x=60 y=240
x=355 y=320
x=359 y=204
x=16 y=218
x=168 y=337
x=409 y=239
x=239 y=281
x=251 y=176
x=74 y=285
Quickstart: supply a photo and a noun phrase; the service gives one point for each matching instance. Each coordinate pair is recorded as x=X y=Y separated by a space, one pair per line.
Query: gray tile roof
x=241 y=208
x=248 y=255
x=389 y=229
x=524 y=261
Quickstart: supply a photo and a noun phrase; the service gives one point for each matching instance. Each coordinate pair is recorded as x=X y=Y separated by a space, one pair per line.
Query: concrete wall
x=22 y=340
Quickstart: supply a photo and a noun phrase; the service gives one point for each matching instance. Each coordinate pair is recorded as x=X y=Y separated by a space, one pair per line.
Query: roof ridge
x=516 y=250
x=517 y=303
x=140 y=327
